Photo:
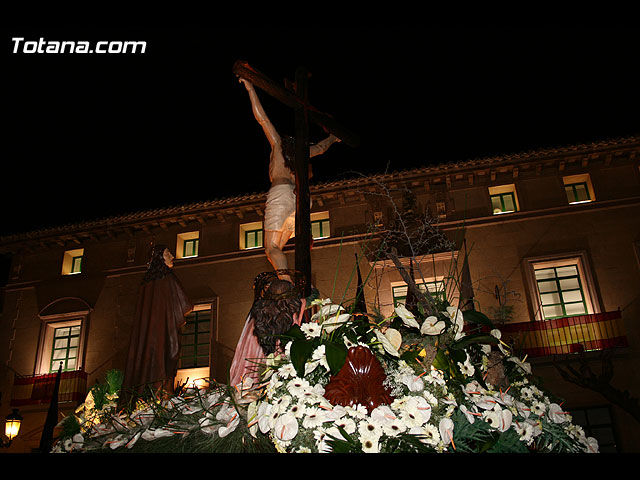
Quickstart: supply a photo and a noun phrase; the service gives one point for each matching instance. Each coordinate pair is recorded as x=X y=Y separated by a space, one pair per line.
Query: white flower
x=592 y=445
x=297 y=386
x=498 y=418
x=311 y=329
x=486 y=402
x=522 y=409
x=329 y=317
x=445 y=427
x=538 y=408
x=413 y=382
x=368 y=429
x=336 y=413
x=525 y=366
x=229 y=416
x=556 y=414
x=458 y=321
x=370 y=445
x=287 y=370
x=394 y=337
x=432 y=326
x=386 y=344
x=347 y=423
x=473 y=388
x=431 y=398
x=527 y=393
x=264 y=417
x=525 y=430
x=334 y=322
x=467 y=367
x=468 y=413
x=407 y=317
x=326 y=310
x=207 y=426
x=498 y=335
x=394 y=427
x=416 y=411
x=319 y=355
x=357 y=411
x=286 y=427
x=314 y=417
x=429 y=433
x=382 y=415
x=297 y=410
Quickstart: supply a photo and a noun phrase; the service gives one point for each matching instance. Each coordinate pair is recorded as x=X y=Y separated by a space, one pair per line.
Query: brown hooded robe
x=154 y=347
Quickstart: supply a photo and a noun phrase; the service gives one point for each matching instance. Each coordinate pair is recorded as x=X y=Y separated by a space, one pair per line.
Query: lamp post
x=12 y=426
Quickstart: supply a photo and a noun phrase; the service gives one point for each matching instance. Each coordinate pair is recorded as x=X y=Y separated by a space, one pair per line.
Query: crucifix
x=296 y=97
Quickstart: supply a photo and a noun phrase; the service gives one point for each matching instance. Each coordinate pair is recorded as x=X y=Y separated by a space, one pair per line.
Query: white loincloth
x=280 y=208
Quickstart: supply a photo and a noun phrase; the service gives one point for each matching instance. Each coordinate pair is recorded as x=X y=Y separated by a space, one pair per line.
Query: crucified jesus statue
x=280 y=208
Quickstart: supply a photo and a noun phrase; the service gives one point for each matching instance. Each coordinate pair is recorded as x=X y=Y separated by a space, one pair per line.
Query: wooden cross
x=304 y=113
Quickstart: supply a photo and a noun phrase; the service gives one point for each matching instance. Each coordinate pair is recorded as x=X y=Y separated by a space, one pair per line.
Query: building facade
x=551 y=239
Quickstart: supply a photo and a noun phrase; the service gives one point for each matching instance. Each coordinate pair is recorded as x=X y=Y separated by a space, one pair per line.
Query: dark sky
x=89 y=136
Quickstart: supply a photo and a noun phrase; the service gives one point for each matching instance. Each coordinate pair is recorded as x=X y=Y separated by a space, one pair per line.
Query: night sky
x=90 y=136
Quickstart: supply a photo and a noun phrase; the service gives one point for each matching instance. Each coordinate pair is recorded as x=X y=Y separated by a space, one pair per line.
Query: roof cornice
x=200 y=211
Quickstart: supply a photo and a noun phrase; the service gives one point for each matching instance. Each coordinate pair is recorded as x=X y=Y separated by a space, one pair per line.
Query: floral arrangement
x=346 y=383
x=449 y=390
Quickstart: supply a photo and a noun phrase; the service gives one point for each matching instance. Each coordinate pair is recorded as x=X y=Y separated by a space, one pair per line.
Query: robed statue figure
x=154 y=345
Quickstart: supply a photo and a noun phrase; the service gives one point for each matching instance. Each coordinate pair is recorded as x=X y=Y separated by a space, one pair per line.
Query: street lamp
x=12 y=426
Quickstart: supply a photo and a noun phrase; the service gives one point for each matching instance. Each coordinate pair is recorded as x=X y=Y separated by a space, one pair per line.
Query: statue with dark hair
x=154 y=345
x=280 y=207
x=277 y=306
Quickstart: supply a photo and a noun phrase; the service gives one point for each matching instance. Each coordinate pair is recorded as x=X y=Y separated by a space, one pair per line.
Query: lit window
x=503 y=199
x=578 y=189
x=251 y=236
x=561 y=292
x=253 y=239
x=562 y=287
x=188 y=245
x=195 y=348
x=66 y=341
x=320 y=227
x=72 y=261
x=195 y=340
x=61 y=340
x=436 y=289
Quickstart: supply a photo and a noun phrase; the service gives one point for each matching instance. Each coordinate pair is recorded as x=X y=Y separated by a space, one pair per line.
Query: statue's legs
x=274 y=242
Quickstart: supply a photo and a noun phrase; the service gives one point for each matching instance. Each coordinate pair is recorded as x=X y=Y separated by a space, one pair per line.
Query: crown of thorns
x=264 y=280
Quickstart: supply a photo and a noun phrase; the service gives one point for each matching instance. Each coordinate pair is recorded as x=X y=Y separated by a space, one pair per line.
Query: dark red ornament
x=360 y=381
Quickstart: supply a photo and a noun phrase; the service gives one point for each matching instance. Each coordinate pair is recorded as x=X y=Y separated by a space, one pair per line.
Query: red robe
x=154 y=347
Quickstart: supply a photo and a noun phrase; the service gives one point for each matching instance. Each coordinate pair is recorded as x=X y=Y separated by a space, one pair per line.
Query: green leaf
x=473 y=316
x=441 y=361
x=301 y=350
x=457 y=355
x=336 y=356
x=473 y=338
x=295 y=332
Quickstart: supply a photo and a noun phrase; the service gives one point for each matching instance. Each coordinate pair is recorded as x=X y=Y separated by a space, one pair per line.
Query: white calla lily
x=407 y=317
x=432 y=326
x=386 y=344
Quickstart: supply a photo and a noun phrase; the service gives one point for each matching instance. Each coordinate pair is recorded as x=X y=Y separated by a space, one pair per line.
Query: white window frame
x=182 y=239
x=45 y=347
x=249 y=227
x=68 y=261
x=581 y=178
x=581 y=261
x=196 y=375
x=501 y=190
x=321 y=217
